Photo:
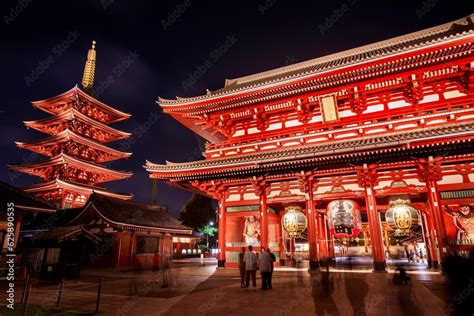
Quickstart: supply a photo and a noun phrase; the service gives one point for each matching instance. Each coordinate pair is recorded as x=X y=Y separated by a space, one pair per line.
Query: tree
x=197 y=212
x=209 y=231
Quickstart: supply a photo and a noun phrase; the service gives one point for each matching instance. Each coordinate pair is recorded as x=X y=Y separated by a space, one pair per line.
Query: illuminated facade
x=75 y=150
x=387 y=120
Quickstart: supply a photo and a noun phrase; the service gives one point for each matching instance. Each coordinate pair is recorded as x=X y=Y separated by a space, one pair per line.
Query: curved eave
x=65 y=159
x=206 y=134
x=32 y=209
x=280 y=159
x=68 y=134
x=196 y=102
x=141 y=227
x=57 y=183
x=68 y=115
x=42 y=104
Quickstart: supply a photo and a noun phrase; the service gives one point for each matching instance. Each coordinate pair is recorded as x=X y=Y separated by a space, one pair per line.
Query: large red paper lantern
x=344 y=218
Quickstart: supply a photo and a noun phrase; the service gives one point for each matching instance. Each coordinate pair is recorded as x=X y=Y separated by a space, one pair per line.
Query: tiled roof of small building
x=134 y=213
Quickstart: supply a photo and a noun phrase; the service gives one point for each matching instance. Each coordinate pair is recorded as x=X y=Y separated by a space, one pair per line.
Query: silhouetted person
x=356 y=290
x=242 y=267
x=250 y=259
x=402 y=277
x=265 y=264
x=273 y=260
x=460 y=273
x=322 y=295
x=156 y=261
x=165 y=266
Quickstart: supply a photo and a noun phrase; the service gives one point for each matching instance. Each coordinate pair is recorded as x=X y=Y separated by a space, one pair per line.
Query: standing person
x=250 y=259
x=265 y=264
x=242 y=267
x=272 y=261
x=404 y=278
x=165 y=266
x=412 y=255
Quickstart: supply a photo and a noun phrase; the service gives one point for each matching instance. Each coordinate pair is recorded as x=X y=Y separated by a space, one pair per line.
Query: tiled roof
x=19 y=197
x=69 y=135
x=117 y=211
x=56 y=184
x=330 y=150
x=61 y=234
x=135 y=213
x=64 y=159
x=76 y=92
x=405 y=43
x=73 y=114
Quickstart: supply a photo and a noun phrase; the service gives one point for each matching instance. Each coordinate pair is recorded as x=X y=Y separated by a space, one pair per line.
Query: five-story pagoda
x=75 y=150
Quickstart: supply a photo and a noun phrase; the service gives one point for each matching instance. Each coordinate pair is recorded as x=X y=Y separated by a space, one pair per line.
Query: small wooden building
x=127 y=234
x=17 y=207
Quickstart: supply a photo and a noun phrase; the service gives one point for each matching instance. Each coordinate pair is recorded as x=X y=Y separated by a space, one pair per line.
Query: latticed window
x=80 y=199
x=83 y=175
x=69 y=197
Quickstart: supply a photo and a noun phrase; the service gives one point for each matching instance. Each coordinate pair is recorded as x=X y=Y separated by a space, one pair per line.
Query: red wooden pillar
x=330 y=241
x=132 y=249
x=439 y=232
x=118 y=248
x=430 y=172
x=378 y=254
x=281 y=241
x=263 y=216
x=221 y=235
x=323 y=238
x=429 y=242
x=312 y=227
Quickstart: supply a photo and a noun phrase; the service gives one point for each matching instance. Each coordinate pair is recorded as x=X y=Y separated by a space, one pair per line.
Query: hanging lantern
x=402 y=217
x=294 y=221
x=344 y=218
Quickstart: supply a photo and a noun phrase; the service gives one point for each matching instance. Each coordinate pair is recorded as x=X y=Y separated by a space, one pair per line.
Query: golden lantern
x=294 y=221
x=402 y=217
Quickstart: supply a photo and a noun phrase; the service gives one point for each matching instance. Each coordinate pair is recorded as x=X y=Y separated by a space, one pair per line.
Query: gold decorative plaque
x=329 y=110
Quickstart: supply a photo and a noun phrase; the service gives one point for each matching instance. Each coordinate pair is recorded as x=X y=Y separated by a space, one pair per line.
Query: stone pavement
x=203 y=290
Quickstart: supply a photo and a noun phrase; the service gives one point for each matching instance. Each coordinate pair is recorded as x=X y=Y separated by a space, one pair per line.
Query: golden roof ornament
x=89 y=69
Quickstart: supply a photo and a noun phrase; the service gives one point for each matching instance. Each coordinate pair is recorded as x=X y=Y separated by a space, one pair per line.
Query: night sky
x=159 y=48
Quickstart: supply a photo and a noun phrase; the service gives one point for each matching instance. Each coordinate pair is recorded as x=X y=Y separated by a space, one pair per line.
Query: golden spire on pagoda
x=89 y=69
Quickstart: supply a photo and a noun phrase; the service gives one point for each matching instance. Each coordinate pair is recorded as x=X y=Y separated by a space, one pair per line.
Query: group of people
x=249 y=262
x=414 y=256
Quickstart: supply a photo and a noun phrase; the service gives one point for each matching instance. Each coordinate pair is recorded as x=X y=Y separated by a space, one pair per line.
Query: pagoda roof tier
x=87 y=126
x=75 y=145
x=63 y=165
x=72 y=186
x=25 y=201
x=83 y=102
x=243 y=90
x=380 y=147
